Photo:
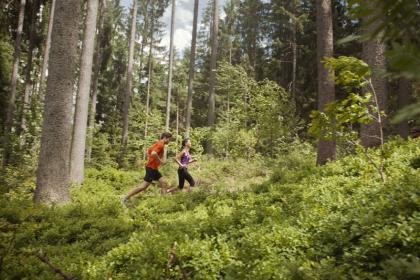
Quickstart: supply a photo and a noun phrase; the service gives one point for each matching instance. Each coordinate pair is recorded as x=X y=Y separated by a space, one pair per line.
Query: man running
x=155 y=154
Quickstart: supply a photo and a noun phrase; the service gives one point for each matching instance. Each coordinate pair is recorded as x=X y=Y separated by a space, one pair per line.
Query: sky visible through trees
x=183 y=21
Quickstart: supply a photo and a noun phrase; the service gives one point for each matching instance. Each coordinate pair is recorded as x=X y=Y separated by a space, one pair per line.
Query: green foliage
x=339 y=117
x=257 y=116
x=332 y=222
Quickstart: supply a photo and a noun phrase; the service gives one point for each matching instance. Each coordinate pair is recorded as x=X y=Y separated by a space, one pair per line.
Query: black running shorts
x=152 y=175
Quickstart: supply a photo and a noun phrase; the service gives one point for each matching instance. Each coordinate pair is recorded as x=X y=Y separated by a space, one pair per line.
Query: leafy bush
x=338 y=221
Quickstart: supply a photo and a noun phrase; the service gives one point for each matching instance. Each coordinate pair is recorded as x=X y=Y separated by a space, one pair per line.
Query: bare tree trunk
x=144 y=37
x=127 y=96
x=294 y=61
x=171 y=58
x=211 y=116
x=149 y=76
x=28 y=72
x=191 y=70
x=53 y=175
x=82 y=100
x=326 y=89
x=374 y=55
x=177 y=116
x=98 y=60
x=12 y=95
x=404 y=92
x=47 y=47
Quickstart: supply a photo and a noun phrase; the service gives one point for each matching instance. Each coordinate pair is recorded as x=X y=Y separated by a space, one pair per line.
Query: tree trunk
x=12 y=96
x=144 y=37
x=28 y=72
x=82 y=101
x=127 y=96
x=98 y=60
x=211 y=116
x=177 y=116
x=191 y=70
x=294 y=61
x=47 y=48
x=171 y=58
x=53 y=175
x=374 y=55
x=326 y=89
x=404 y=92
x=149 y=76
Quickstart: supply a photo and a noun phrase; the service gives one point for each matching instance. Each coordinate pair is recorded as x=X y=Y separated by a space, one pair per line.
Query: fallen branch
x=173 y=261
x=57 y=270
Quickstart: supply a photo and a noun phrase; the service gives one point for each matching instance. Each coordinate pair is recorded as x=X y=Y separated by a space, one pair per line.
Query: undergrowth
x=245 y=220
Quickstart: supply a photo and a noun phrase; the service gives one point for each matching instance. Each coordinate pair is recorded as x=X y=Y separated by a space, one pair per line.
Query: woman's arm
x=178 y=158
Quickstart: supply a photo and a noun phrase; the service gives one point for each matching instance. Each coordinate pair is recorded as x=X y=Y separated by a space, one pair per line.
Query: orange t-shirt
x=159 y=148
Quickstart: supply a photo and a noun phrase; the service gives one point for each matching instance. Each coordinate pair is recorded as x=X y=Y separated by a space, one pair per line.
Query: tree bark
x=211 y=116
x=294 y=61
x=404 y=92
x=53 y=174
x=98 y=60
x=171 y=58
x=177 y=116
x=144 y=39
x=28 y=72
x=191 y=70
x=82 y=101
x=374 y=55
x=127 y=96
x=12 y=95
x=149 y=75
x=47 y=48
x=326 y=89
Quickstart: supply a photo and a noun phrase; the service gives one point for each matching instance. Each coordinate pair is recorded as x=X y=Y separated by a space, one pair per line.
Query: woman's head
x=186 y=143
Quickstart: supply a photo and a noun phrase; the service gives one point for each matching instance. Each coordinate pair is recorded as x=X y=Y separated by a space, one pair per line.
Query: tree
x=171 y=58
x=82 y=101
x=374 y=55
x=28 y=70
x=326 y=89
x=53 y=174
x=149 y=70
x=14 y=80
x=404 y=90
x=191 y=70
x=211 y=114
x=47 y=46
x=98 y=62
x=127 y=95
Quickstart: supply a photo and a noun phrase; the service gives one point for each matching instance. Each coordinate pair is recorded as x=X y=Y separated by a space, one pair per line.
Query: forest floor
x=286 y=219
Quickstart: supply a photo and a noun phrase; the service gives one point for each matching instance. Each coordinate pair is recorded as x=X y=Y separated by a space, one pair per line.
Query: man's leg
x=137 y=190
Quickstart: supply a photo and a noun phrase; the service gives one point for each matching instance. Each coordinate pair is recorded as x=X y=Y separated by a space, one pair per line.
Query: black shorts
x=152 y=175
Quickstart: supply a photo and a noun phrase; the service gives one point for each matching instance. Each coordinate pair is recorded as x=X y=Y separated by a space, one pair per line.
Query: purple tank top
x=185 y=159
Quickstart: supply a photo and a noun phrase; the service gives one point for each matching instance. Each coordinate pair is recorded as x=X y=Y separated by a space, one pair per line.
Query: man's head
x=166 y=137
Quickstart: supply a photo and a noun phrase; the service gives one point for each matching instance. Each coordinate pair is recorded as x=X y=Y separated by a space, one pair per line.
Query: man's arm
x=156 y=156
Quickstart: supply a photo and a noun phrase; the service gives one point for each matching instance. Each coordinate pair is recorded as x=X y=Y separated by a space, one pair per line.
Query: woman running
x=183 y=159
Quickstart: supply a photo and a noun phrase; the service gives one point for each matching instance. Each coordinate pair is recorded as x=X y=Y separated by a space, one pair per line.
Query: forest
x=192 y=139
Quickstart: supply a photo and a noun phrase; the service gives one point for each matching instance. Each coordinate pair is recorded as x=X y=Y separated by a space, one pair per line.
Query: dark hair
x=166 y=135
x=185 y=141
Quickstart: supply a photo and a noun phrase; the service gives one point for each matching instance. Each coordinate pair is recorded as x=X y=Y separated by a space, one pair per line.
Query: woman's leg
x=181 y=178
x=189 y=178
